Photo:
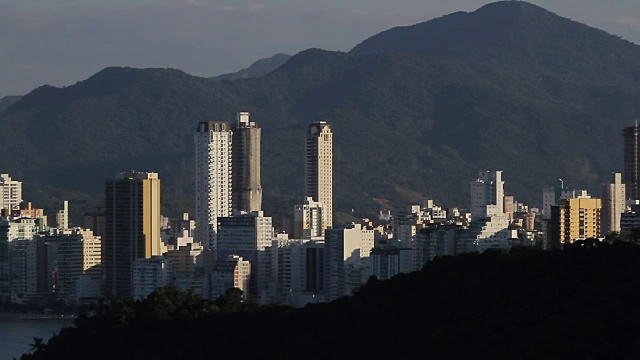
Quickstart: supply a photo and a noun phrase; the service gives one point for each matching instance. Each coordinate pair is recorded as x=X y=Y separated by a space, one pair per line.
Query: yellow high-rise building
x=575 y=219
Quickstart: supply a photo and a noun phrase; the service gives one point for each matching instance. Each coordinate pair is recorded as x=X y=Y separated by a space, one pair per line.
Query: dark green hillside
x=526 y=304
x=516 y=36
x=408 y=126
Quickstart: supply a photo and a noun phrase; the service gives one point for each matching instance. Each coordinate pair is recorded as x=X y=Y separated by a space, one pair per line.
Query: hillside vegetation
x=525 y=304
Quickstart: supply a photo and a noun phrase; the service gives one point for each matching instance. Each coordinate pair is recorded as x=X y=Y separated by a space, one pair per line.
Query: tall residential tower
x=487 y=195
x=246 y=189
x=213 y=141
x=613 y=205
x=132 y=227
x=319 y=168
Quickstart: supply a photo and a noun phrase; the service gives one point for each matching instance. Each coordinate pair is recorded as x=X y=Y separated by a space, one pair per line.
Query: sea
x=16 y=334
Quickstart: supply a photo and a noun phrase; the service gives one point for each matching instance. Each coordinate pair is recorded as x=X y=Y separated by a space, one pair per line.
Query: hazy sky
x=60 y=42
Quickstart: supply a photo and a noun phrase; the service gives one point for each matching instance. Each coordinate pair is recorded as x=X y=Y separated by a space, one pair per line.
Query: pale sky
x=60 y=42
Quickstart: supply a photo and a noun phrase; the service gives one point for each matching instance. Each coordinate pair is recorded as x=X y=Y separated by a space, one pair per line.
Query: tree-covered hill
x=526 y=304
x=408 y=125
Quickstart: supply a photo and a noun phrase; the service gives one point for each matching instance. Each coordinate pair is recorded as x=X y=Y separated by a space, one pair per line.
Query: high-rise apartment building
x=132 y=227
x=62 y=216
x=346 y=251
x=613 y=204
x=73 y=253
x=487 y=195
x=319 y=168
x=246 y=188
x=10 y=193
x=574 y=219
x=631 y=175
x=213 y=179
x=248 y=235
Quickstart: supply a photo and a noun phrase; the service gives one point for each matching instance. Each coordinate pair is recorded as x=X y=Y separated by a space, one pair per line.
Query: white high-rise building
x=319 y=168
x=309 y=219
x=62 y=216
x=487 y=195
x=613 y=205
x=10 y=192
x=346 y=260
x=213 y=198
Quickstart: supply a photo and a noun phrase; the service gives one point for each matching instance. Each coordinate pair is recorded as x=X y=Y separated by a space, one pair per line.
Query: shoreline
x=18 y=316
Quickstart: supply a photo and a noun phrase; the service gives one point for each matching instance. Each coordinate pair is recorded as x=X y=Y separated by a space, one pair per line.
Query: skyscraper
x=631 y=176
x=487 y=195
x=613 y=204
x=132 y=227
x=319 y=168
x=246 y=188
x=212 y=179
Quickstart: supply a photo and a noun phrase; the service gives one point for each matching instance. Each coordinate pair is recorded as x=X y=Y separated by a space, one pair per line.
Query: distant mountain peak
x=258 y=68
x=505 y=32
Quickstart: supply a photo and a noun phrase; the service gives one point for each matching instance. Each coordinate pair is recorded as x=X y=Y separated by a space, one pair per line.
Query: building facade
x=308 y=220
x=233 y=272
x=613 y=204
x=74 y=253
x=631 y=174
x=574 y=219
x=10 y=193
x=248 y=236
x=132 y=228
x=319 y=168
x=150 y=274
x=213 y=179
x=346 y=260
x=487 y=195
x=246 y=188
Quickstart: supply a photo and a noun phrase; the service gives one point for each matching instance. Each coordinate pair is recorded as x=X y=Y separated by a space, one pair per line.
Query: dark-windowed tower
x=132 y=228
x=631 y=177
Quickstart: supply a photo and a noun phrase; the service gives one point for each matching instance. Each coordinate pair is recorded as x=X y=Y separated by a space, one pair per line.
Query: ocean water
x=17 y=334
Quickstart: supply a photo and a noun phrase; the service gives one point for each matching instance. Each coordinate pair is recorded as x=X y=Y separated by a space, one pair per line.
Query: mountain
x=408 y=126
x=7 y=101
x=257 y=69
x=519 y=36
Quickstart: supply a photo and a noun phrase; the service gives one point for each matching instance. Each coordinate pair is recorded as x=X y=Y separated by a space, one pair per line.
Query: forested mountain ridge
x=408 y=125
